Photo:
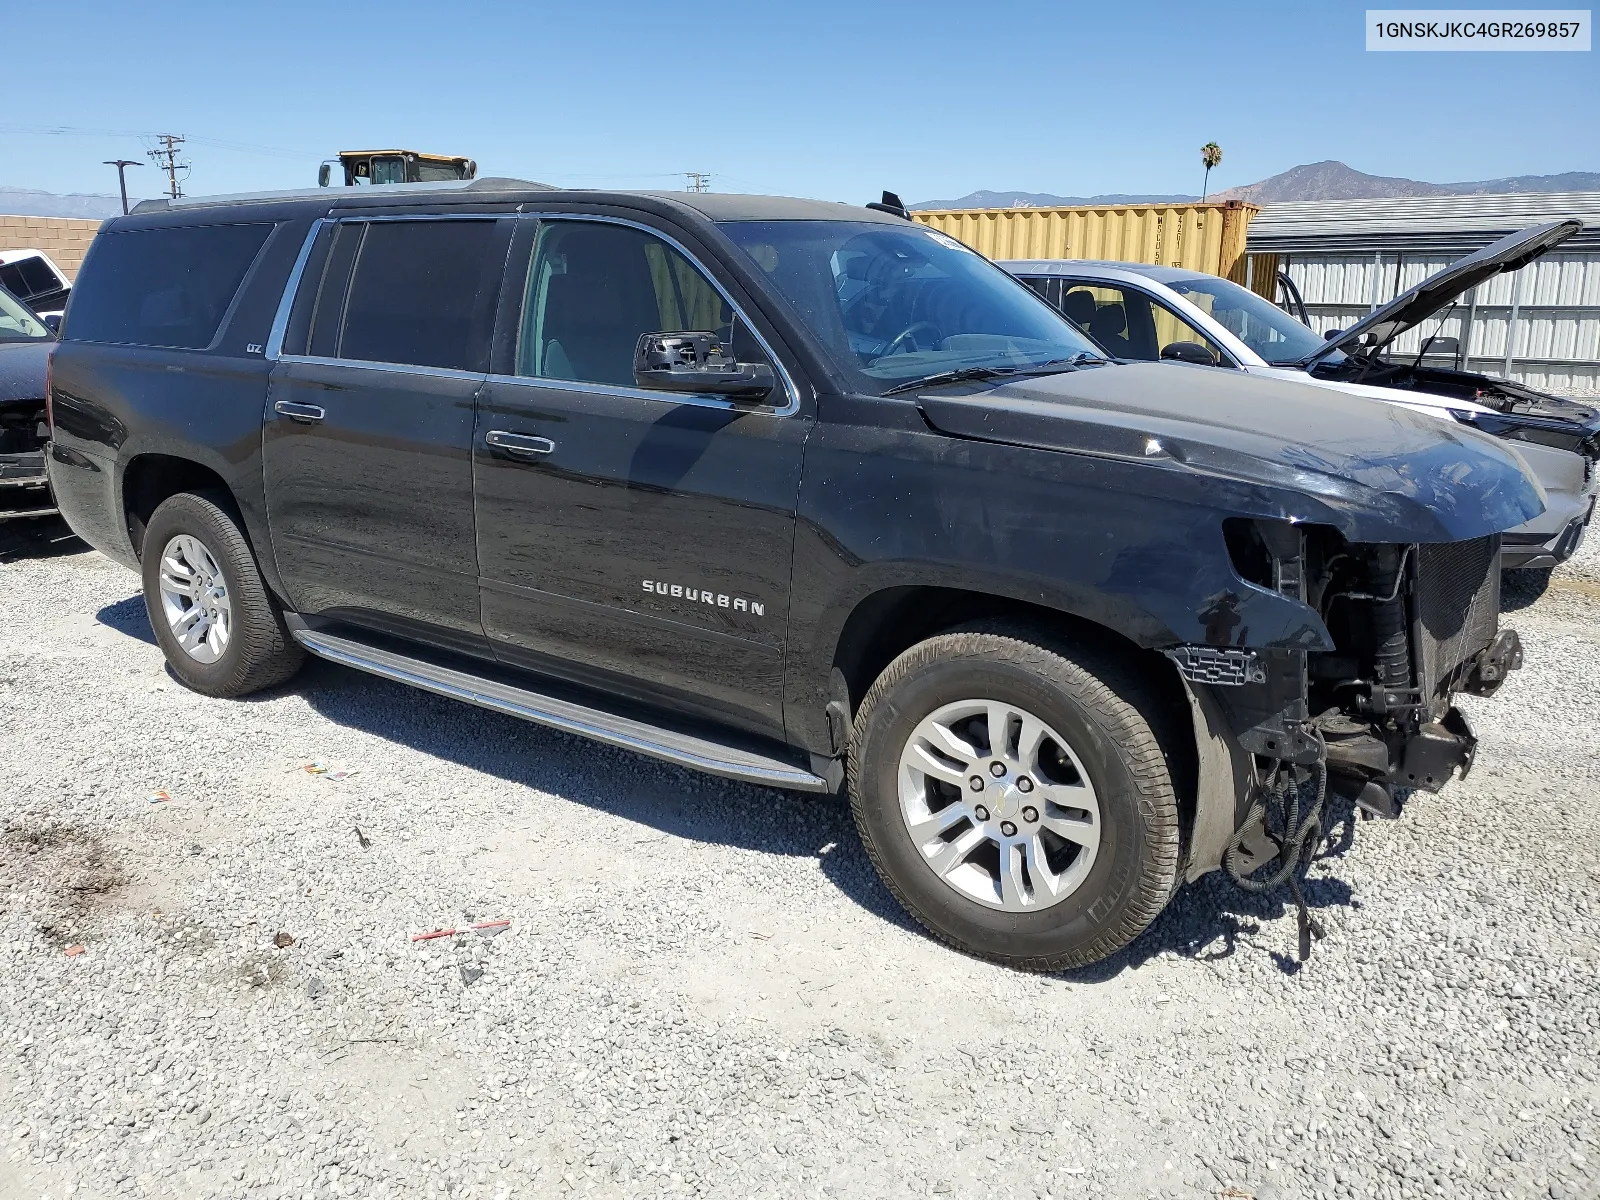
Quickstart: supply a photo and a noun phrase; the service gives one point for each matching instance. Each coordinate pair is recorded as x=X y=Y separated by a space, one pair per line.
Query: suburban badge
x=676 y=591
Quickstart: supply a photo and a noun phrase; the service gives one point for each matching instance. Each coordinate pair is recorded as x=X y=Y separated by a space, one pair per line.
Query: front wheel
x=1014 y=797
x=212 y=614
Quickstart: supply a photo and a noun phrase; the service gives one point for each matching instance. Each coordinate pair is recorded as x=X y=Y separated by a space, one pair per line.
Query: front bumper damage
x=1372 y=719
x=24 y=486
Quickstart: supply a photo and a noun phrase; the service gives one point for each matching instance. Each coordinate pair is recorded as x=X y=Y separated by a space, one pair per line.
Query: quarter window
x=422 y=294
x=162 y=287
x=595 y=288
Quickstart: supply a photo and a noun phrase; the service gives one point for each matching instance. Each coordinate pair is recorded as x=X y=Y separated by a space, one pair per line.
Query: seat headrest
x=1109 y=320
x=1079 y=306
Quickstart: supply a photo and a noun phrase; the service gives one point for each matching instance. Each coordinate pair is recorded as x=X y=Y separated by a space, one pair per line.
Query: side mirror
x=1329 y=334
x=52 y=323
x=696 y=362
x=324 y=173
x=1189 y=352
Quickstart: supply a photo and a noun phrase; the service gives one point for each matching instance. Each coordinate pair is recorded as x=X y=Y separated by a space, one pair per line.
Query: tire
x=258 y=653
x=1099 y=707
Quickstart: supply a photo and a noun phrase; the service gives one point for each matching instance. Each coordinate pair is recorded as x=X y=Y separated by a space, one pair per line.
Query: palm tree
x=1211 y=155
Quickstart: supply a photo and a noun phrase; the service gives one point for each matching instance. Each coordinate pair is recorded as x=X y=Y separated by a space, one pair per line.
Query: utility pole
x=699 y=181
x=165 y=156
x=122 y=165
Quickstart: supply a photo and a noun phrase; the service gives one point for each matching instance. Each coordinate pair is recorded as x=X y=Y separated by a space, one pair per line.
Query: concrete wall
x=64 y=239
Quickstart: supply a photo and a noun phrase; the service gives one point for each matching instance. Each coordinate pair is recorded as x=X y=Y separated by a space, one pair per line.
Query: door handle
x=304 y=413
x=519 y=445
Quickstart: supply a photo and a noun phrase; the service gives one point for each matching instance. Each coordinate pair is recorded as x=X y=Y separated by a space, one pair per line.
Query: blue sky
x=827 y=98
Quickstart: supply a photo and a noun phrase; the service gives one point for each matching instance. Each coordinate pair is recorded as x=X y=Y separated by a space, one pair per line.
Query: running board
x=685 y=749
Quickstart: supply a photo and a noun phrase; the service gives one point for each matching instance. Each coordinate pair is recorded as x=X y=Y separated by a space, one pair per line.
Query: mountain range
x=1330 y=180
x=30 y=202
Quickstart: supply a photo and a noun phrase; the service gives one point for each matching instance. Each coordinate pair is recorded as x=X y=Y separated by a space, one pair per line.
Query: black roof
x=714 y=206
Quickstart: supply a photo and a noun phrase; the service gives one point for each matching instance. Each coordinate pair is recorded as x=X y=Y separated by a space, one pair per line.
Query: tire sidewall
x=196 y=517
x=1127 y=816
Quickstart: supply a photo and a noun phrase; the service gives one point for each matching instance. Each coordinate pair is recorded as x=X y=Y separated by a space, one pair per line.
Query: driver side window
x=595 y=288
x=1126 y=321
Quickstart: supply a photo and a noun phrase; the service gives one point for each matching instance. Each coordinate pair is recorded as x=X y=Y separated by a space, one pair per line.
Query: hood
x=22 y=368
x=1439 y=406
x=1510 y=253
x=1257 y=446
x=1533 y=418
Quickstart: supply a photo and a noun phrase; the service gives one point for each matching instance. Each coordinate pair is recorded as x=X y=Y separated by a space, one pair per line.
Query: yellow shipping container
x=1202 y=237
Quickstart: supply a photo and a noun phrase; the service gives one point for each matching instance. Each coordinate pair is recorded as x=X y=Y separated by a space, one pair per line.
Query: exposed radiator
x=1456 y=607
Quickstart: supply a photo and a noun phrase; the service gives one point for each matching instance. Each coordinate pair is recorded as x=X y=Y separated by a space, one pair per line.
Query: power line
x=216 y=143
x=165 y=156
x=699 y=181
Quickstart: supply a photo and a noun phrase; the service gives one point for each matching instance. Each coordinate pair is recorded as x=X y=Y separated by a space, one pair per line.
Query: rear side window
x=423 y=294
x=162 y=287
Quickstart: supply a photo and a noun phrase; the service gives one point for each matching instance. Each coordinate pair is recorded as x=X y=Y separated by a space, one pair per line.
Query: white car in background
x=1137 y=311
x=33 y=278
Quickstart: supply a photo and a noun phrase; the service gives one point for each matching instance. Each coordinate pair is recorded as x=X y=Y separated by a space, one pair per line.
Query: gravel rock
x=704 y=990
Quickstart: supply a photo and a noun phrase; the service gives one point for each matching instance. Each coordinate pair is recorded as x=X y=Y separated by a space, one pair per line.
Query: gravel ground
x=703 y=988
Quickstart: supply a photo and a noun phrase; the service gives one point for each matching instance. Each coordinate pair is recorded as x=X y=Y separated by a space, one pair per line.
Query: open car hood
x=1255 y=446
x=1510 y=253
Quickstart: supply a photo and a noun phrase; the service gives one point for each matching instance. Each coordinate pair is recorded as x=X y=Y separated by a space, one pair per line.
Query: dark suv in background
x=795 y=493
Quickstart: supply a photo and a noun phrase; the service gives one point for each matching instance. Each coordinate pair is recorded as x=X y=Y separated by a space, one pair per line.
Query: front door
x=1125 y=320
x=632 y=540
x=368 y=445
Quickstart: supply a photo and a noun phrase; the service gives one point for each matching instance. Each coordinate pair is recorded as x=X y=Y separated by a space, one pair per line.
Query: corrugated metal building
x=1540 y=325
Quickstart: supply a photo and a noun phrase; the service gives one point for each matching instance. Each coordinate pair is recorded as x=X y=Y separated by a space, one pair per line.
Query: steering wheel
x=909 y=334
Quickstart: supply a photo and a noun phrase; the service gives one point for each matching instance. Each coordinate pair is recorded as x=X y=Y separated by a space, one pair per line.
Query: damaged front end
x=1412 y=625
x=24 y=487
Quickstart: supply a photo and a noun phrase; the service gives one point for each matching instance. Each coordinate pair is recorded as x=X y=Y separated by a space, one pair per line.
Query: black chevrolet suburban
x=795 y=493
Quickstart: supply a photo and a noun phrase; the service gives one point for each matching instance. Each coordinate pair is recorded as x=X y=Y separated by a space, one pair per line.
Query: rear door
x=368 y=443
x=632 y=540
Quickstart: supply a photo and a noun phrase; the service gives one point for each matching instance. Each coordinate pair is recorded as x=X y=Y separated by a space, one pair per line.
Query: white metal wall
x=1551 y=308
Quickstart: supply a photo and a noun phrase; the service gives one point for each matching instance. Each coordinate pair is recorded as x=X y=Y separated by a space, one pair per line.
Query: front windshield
x=895 y=303
x=17 y=324
x=1272 y=333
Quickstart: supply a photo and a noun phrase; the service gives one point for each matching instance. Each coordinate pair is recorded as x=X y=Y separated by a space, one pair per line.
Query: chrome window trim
x=704 y=400
x=376 y=218
x=280 y=319
x=365 y=364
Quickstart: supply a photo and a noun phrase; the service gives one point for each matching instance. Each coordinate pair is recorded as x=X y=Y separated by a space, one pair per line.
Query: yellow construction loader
x=363 y=167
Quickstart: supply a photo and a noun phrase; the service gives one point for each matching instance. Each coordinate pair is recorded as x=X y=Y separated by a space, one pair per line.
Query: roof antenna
x=891 y=204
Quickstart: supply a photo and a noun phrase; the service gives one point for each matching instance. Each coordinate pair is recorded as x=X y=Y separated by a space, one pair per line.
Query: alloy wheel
x=194 y=599
x=999 y=805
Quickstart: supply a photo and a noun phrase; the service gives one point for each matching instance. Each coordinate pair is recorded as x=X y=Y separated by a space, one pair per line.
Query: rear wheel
x=1014 y=798
x=212 y=614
